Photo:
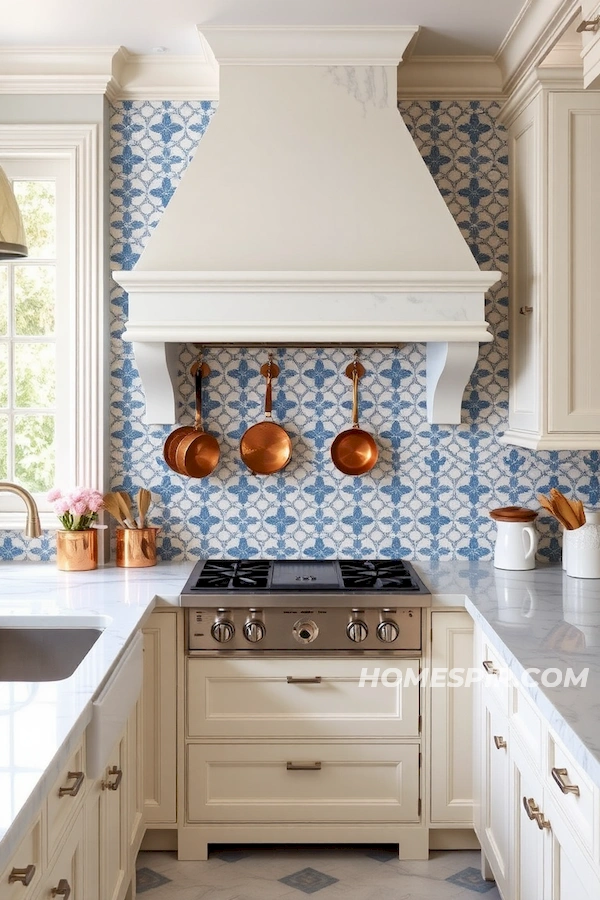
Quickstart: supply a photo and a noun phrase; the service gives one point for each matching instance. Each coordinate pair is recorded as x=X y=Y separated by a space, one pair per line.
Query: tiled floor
x=334 y=873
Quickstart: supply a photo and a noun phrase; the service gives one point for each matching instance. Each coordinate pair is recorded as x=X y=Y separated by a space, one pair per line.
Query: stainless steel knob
x=222 y=631
x=357 y=631
x=387 y=631
x=254 y=631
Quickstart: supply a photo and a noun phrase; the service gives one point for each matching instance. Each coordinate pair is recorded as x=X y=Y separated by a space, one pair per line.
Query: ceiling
x=449 y=27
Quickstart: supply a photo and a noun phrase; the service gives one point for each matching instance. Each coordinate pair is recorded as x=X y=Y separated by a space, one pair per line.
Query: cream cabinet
x=590 y=50
x=450 y=725
x=554 y=233
x=22 y=875
x=161 y=640
x=296 y=746
x=65 y=875
x=536 y=811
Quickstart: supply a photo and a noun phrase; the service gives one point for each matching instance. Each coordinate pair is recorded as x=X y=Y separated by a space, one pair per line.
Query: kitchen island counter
x=41 y=723
x=538 y=620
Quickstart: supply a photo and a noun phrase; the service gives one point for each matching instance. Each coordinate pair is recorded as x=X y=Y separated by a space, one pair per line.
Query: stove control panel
x=305 y=629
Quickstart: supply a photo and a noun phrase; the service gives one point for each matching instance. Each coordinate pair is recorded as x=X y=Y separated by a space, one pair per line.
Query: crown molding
x=161 y=77
x=55 y=70
x=298 y=46
x=454 y=77
x=533 y=34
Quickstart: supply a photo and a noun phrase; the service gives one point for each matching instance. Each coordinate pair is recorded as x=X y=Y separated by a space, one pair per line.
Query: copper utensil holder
x=136 y=547
x=76 y=551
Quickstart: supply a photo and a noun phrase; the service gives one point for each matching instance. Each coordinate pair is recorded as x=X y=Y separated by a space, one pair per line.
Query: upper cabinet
x=554 y=318
x=590 y=53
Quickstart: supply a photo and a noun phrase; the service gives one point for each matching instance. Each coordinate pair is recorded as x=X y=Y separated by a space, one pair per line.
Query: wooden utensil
x=129 y=507
x=112 y=506
x=197 y=453
x=266 y=447
x=123 y=509
x=144 y=499
x=354 y=451
x=564 y=508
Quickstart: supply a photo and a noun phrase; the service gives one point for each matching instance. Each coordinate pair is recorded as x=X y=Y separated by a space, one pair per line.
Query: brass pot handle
x=113 y=785
x=292 y=680
x=500 y=742
x=559 y=775
x=25 y=876
x=75 y=788
x=303 y=767
x=63 y=889
x=488 y=665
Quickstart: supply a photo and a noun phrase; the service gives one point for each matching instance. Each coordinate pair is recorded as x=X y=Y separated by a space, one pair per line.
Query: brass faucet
x=32 y=525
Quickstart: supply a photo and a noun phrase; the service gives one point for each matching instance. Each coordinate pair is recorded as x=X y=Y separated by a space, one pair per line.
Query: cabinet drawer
x=497 y=675
x=65 y=798
x=581 y=809
x=344 y=782
x=526 y=723
x=29 y=854
x=299 y=697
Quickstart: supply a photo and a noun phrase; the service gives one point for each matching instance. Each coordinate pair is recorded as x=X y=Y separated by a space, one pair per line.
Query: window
x=34 y=328
x=52 y=318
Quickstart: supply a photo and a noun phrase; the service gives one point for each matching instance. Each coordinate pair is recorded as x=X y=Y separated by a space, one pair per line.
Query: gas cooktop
x=227 y=578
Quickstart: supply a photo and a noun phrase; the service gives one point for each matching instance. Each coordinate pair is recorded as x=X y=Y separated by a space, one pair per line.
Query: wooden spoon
x=124 y=509
x=112 y=506
x=144 y=499
x=562 y=506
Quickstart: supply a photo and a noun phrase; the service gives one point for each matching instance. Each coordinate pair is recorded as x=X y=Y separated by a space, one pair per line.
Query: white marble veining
x=41 y=723
x=541 y=619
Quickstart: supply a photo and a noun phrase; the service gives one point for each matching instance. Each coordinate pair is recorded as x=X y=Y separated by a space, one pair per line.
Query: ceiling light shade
x=12 y=232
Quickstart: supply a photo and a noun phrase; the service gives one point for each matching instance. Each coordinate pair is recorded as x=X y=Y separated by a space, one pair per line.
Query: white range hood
x=307 y=217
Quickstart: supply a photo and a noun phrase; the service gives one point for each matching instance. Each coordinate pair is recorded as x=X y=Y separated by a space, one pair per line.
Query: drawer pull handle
x=315 y=680
x=589 y=25
x=113 y=785
x=533 y=811
x=499 y=742
x=303 y=767
x=488 y=665
x=25 y=876
x=559 y=775
x=63 y=889
x=525 y=310
x=74 y=789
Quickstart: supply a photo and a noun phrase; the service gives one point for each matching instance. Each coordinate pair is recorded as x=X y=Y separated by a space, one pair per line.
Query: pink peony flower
x=54 y=494
x=61 y=506
x=79 y=508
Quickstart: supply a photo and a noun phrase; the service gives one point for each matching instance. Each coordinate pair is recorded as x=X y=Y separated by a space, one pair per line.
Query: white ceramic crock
x=583 y=551
x=516 y=545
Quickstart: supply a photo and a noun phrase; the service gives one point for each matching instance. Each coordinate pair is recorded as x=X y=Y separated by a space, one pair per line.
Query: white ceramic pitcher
x=517 y=540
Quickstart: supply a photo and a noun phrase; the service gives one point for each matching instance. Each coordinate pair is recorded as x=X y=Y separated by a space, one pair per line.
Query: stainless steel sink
x=44 y=652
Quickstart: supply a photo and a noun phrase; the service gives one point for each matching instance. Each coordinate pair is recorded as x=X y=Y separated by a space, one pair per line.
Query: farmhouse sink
x=45 y=648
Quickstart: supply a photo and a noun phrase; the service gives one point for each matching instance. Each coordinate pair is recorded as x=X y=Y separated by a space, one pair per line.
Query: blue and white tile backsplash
x=429 y=494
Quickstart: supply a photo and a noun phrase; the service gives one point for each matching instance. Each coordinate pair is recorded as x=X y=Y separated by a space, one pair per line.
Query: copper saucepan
x=197 y=453
x=174 y=438
x=266 y=447
x=354 y=451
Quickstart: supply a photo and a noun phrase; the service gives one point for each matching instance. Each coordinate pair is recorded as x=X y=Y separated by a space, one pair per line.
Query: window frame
x=86 y=416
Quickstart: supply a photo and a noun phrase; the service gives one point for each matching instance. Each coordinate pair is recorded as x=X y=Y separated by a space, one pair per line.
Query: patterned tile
x=146 y=879
x=471 y=878
x=308 y=880
x=427 y=497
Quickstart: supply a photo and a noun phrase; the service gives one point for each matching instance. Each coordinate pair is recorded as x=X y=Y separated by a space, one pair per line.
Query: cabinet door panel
x=527 y=839
x=573 y=311
x=328 y=783
x=160 y=718
x=495 y=804
x=451 y=722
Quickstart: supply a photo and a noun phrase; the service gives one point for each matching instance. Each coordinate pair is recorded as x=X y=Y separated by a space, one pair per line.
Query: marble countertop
x=41 y=723
x=540 y=619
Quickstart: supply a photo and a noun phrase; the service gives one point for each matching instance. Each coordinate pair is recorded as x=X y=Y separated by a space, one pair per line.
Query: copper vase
x=136 y=547
x=77 y=551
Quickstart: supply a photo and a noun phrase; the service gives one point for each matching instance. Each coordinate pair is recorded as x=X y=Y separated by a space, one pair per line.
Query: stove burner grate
x=233 y=574
x=378 y=575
